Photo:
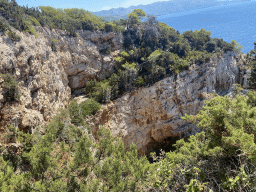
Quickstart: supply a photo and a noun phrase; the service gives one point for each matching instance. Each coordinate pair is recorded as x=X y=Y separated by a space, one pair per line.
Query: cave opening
x=162 y=147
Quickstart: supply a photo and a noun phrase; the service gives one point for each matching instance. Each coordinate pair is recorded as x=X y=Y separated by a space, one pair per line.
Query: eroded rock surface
x=151 y=115
x=49 y=67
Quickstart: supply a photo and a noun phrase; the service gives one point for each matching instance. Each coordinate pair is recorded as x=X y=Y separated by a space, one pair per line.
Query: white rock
x=46 y=77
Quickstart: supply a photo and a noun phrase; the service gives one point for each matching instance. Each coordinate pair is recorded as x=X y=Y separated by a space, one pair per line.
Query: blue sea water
x=235 y=21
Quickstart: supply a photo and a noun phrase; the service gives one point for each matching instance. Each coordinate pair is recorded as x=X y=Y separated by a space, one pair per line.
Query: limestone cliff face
x=49 y=67
x=150 y=115
x=52 y=65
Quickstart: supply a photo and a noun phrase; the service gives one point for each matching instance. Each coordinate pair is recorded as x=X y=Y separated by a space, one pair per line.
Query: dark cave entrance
x=165 y=145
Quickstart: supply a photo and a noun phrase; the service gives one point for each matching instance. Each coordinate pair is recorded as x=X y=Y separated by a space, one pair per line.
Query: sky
x=90 y=5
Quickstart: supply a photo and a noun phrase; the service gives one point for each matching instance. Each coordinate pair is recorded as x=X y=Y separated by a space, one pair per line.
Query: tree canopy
x=135 y=16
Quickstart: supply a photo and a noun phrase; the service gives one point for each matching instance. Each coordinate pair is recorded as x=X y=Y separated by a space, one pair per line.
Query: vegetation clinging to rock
x=65 y=158
x=78 y=112
x=24 y=18
x=10 y=86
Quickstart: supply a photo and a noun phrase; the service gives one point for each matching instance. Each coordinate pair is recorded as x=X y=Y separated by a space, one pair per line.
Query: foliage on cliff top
x=24 y=18
x=154 y=51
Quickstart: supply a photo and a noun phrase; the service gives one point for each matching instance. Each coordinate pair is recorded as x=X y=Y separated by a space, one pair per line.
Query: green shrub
x=120 y=59
x=236 y=46
x=12 y=90
x=139 y=82
x=71 y=134
x=110 y=27
x=53 y=44
x=75 y=113
x=114 y=82
x=55 y=40
x=210 y=46
x=89 y=107
x=227 y=144
x=13 y=36
x=78 y=112
x=32 y=30
x=34 y=21
x=3 y=25
x=11 y=134
x=100 y=91
x=199 y=57
x=27 y=26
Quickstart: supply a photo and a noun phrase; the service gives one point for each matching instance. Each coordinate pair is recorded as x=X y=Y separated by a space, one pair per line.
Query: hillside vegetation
x=153 y=51
x=24 y=18
x=67 y=158
x=64 y=156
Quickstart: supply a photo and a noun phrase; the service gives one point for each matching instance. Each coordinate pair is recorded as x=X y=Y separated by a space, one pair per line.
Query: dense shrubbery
x=4 y=27
x=221 y=158
x=79 y=111
x=24 y=18
x=65 y=159
x=100 y=91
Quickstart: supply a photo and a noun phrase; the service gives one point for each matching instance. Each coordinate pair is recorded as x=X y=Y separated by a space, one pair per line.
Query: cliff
x=151 y=117
x=48 y=68
x=52 y=66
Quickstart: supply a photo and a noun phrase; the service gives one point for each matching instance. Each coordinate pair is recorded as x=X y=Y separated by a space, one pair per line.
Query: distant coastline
x=227 y=21
x=164 y=8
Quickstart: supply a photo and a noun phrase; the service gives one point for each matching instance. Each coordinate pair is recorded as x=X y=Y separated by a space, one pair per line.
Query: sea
x=235 y=21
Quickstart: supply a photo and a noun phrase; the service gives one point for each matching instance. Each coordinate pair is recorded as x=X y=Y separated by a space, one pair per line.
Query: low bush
x=89 y=107
x=75 y=113
x=3 y=25
x=53 y=44
x=100 y=91
x=139 y=82
x=11 y=88
x=13 y=36
x=27 y=26
x=34 y=21
x=78 y=112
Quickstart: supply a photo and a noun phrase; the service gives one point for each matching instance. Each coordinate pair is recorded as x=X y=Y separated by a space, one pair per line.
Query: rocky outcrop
x=48 y=67
x=90 y=55
x=150 y=116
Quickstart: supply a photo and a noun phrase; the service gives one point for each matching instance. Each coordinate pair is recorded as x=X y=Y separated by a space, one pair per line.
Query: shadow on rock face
x=164 y=146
